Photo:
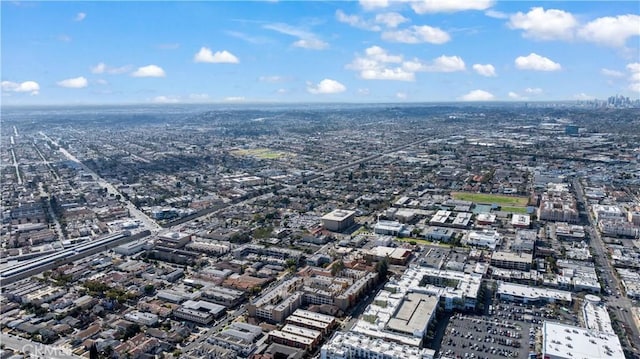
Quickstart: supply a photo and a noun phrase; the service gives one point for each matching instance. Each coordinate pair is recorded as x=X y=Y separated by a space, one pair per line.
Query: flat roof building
x=350 y=345
x=521 y=220
x=510 y=260
x=526 y=294
x=561 y=341
x=338 y=220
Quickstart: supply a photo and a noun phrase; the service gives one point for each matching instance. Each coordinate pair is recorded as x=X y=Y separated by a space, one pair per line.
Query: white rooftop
x=571 y=342
x=532 y=293
x=338 y=215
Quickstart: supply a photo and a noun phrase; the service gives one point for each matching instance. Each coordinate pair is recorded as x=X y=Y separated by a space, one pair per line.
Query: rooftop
x=567 y=341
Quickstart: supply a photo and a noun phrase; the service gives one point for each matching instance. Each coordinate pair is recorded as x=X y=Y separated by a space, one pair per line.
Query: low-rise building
x=350 y=345
x=142 y=318
x=510 y=260
x=527 y=294
x=561 y=341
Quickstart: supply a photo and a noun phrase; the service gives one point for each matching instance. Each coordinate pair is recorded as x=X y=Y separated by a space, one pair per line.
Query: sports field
x=519 y=210
x=262 y=153
x=486 y=198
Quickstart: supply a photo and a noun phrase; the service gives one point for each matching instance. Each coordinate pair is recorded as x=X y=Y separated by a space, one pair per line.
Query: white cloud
x=390 y=19
x=514 y=95
x=282 y=91
x=377 y=53
x=74 y=83
x=355 y=21
x=478 y=95
x=541 y=24
x=536 y=62
x=611 y=31
x=401 y=95
x=166 y=99
x=311 y=44
x=446 y=64
x=634 y=79
x=220 y=57
x=63 y=38
x=485 y=70
x=433 y=6
x=417 y=34
x=583 y=96
x=102 y=68
x=326 y=86
x=80 y=16
x=364 y=91
x=496 y=14
x=102 y=82
x=374 y=4
x=306 y=39
x=27 y=86
x=149 y=71
x=198 y=96
x=234 y=99
x=533 y=90
x=611 y=73
x=248 y=38
x=376 y=65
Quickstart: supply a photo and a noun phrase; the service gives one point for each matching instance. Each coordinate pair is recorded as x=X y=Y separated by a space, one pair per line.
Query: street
x=617 y=300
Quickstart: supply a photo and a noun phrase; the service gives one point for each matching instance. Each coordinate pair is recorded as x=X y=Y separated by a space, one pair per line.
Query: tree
x=149 y=289
x=336 y=267
x=382 y=267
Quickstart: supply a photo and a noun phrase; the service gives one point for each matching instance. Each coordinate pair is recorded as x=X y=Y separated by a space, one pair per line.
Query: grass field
x=422 y=241
x=262 y=153
x=521 y=210
x=486 y=198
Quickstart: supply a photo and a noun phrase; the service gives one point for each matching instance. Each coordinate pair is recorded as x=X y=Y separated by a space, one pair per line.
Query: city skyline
x=367 y=51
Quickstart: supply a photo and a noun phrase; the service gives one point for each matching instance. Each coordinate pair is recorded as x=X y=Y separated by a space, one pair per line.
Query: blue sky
x=313 y=51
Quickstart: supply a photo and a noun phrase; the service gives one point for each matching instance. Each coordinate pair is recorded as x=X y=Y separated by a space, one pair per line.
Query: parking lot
x=509 y=330
x=486 y=337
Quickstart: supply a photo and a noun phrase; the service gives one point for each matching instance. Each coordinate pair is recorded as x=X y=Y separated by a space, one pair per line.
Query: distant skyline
x=69 y=53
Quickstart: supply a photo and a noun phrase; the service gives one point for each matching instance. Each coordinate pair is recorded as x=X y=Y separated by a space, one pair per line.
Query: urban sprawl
x=321 y=231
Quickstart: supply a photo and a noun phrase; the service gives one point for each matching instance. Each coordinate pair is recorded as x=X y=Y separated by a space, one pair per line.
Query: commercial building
x=142 y=318
x=350 y=345
x=486 y=238
x=509 y=260
x=222 y=295
x=239 y=337
x=526 y=294
x=338 y=220
x=173 y=239
x=131 y=247
x=521 y=220
x=567 y=232
x=561 y=341
x=485 y=219
x=200 y=311
x=399 y=256
x=389 y=228
x=439 y=234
